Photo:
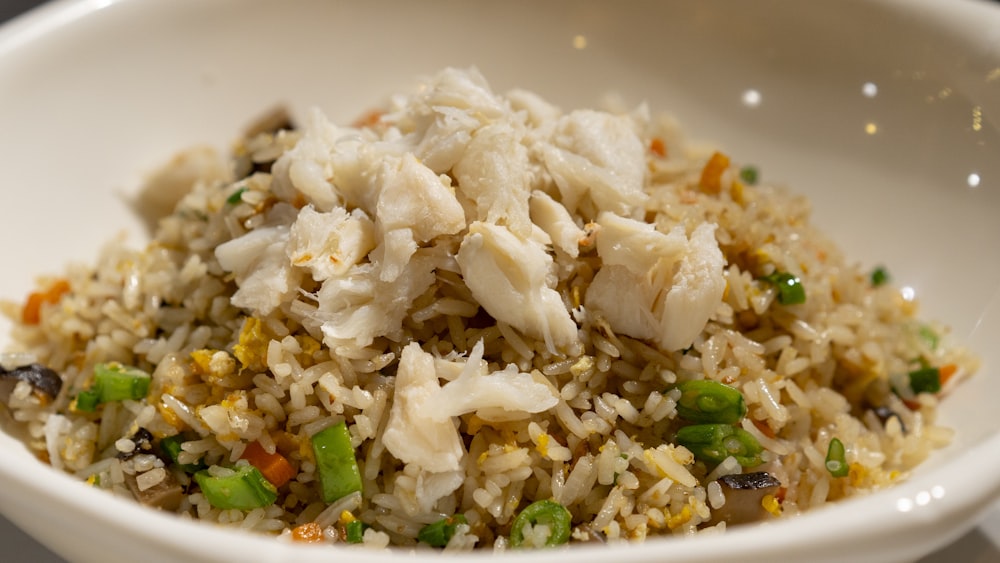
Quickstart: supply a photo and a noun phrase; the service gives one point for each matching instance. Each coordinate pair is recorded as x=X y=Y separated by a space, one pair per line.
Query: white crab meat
x=415 y=205
x=510 y=278
x=555 y=220
x=411 y=435
x=356 y=308
x=655 y=286
x=261 y=268
x=508 y=390
x=307 y=167
x=329 y=244
x=494 y=174
x=597 y=154
x=421 y=428
x=413 y=197
x=442 y=117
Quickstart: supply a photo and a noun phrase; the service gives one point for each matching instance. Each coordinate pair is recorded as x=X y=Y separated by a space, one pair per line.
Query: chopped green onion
x=716 y=442
x=749 y=174
x=879 y=276
x=925 y=380
x=171 y=448
x=245 y=489
x=354 y=531
x=929 y=336
x=439 y=533
x=710 y=401
x=335 y=463
x=790 y=290
x=113 y=382
x=836 y=460
x=236 y=196
x=87 y=400
x=543 y=512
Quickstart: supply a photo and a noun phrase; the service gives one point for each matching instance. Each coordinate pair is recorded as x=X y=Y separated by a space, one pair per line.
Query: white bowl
x=884 y=113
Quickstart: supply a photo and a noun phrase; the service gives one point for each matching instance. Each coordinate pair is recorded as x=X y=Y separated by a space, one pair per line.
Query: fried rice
x=515 y=325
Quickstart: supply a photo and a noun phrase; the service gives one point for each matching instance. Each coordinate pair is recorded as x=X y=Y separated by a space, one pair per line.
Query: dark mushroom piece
x=143 y=444
x=167 y=494
x=884 y=413
x=744 y=494
x=45 y=382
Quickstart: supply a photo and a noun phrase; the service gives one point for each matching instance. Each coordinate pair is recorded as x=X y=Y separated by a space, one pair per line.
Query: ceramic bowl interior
x=884 y=113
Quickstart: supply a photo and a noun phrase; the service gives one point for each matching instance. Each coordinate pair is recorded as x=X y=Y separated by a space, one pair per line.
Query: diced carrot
x=310 y=532
x=657 y=147
x=946 y=371
x=368 y=119
x=275 y=467
x=711 y=175
x=32 y=312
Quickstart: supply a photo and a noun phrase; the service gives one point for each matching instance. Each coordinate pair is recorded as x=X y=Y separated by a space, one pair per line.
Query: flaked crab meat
x=329 y=243
x=307 y=167
x=511 y=278
x=259 y=263
x=494 y=172
x=415 y=205
x=421 y=428
x=556 y=221
x=599 y=155
x=656 y=286
x=358 y=307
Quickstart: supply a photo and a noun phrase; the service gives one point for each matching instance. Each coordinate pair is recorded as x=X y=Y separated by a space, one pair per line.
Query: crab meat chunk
x=261 y=268
x=329 y=244
x=415 y=206
x=555 y=220
x=597 y=154
x=510 y=278
x=494 y=172
x=656 y=286
x=421 y=428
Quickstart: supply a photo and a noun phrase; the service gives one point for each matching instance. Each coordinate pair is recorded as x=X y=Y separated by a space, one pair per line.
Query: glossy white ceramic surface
x=885 y=113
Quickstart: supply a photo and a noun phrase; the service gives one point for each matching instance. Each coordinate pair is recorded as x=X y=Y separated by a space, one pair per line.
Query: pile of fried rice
x=527 y=326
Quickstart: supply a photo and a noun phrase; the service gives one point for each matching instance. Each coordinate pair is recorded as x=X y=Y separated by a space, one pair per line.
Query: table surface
x=981 y=545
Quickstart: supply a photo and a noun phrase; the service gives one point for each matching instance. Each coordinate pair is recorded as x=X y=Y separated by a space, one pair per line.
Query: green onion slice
x=710 y=401
x=836 y=460
x=439 y=533
x=715 y=442
x=545 y=512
